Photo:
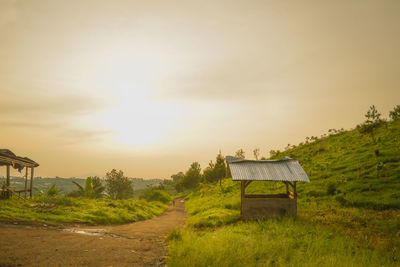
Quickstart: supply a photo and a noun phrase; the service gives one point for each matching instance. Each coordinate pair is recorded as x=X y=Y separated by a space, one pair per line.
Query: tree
x=209 y=173
x=372 y=122
x=256 y=153
x=220 y=167
x=395 y=113
x=192 y=176
x=118 y=186
x=177 y=177
x=373 y=116
x=240 y=153
x=98 y=186
x=215 y=171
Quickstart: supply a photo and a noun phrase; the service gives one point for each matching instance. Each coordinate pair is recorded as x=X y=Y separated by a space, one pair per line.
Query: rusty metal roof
x=286 y=170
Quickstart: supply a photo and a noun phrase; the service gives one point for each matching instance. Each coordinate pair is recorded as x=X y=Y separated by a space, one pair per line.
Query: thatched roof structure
x=7 y=157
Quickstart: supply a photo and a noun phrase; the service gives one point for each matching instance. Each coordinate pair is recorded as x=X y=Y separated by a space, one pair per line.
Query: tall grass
x=272 y=242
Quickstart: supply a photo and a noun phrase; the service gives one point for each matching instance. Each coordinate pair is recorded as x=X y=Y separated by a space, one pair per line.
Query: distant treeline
x=66 y=185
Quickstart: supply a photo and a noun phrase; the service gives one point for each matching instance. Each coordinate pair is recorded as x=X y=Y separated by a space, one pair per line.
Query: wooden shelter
x=287 y=170
x=9 y=159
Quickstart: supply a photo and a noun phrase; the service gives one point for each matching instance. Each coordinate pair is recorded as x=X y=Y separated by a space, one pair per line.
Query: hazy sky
x=149 y=87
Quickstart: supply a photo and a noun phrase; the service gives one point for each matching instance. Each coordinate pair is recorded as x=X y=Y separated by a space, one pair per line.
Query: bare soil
x=136 y=244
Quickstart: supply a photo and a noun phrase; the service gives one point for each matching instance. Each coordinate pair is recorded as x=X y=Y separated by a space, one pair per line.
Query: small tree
x=93 y=188
x=240 y=153
x=395 y=113
x=373 y=116
x=192 y=176
x=118 y=186
x=217 y=171
x=98 y=187
x=256 y=153
x=209 y=173
x=373 y=121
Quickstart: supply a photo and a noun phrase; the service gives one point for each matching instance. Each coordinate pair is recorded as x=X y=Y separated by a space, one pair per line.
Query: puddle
x=86 y=231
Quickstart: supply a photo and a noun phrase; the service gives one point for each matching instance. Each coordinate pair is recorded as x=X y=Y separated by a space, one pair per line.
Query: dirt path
x=136 y=244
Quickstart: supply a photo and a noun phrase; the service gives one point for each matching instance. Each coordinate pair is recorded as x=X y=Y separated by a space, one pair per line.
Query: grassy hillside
x=349 y=215
x=59 y=210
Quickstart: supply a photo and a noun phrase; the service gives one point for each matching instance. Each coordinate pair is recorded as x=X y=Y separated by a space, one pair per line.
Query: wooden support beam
x=26 y=180
x=8 y=181
x=295 y=190
x=31 y=191
x=246 y=183
x=242 y=190
x=287 y=188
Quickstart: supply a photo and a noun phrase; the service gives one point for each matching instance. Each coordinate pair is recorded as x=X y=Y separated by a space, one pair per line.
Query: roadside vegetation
x=349 y=215
x=108 y=202
x=60 y=210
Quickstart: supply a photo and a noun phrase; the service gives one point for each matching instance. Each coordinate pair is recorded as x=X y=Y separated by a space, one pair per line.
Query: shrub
x=93 y=188
x=151 y=194
x=175 y=234
x=52 y=191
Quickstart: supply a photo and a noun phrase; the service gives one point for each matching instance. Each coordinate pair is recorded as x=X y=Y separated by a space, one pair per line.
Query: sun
x=138 y=120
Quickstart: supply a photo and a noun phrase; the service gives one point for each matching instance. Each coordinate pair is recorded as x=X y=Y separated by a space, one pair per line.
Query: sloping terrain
x=349 y=215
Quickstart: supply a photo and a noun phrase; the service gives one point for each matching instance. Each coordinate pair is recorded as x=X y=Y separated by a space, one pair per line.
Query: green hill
x=349 y=215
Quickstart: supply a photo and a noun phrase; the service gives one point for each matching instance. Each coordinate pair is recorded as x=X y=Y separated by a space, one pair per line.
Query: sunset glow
x=87 y=86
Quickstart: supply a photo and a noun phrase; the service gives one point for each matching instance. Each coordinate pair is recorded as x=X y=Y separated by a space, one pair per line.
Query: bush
x=52 y=191
x=93 y=188
x=151 y=194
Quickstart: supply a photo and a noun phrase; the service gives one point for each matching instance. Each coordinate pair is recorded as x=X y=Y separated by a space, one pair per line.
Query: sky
x=149 y=87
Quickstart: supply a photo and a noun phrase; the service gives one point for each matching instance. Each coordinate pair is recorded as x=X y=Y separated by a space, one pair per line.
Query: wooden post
x=31 y=190
x=287 y=189
x=26 y=180
x=242 y=183
x=295 y=190
x=8 y=181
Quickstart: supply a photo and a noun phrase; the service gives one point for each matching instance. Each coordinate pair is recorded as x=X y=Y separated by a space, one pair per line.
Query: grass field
x=59 y=210
x=349 y=215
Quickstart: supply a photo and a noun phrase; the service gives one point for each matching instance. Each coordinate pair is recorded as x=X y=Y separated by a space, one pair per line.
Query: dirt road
x=136 y=244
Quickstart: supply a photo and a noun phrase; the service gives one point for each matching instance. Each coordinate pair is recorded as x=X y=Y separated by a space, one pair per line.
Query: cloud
x=48 y=106
x=75 y=136
x=237 y=78
x=64 y=118
x=27 y=124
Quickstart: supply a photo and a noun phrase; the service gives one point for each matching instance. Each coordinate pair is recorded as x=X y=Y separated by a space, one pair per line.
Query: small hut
x=9 y=159
x=287 y=170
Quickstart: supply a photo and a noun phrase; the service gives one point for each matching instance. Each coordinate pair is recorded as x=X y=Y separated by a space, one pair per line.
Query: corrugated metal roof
x=287 y=169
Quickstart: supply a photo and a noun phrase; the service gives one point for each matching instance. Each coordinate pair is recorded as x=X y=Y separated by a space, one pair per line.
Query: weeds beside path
x=135 y=244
